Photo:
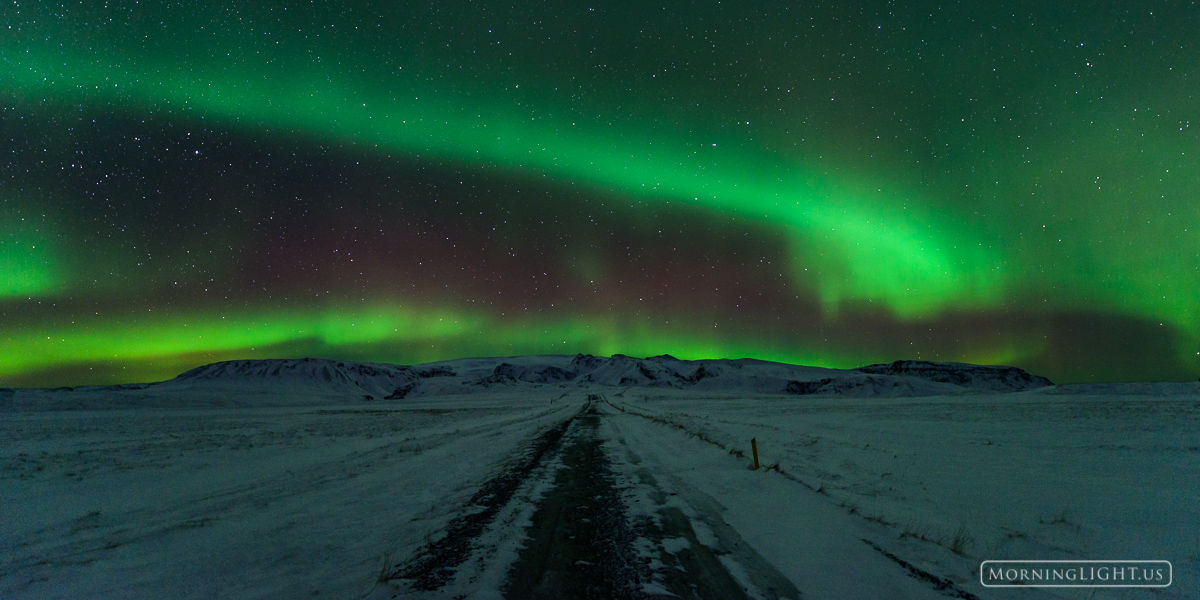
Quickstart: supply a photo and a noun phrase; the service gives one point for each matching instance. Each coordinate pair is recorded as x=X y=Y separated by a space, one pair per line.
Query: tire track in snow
x=436 y=564
x=580 y=543
x=584 y=543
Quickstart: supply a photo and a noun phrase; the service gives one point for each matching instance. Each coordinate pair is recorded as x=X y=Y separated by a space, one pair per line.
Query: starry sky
x=824 y=183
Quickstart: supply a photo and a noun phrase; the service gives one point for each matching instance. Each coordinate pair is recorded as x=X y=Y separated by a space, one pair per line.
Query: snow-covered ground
x=870 y=487
x=1015 y=476
x=240 y=503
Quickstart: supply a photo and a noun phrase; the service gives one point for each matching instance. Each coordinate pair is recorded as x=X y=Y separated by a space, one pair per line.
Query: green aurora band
x=879 y=253
x=1103 y=215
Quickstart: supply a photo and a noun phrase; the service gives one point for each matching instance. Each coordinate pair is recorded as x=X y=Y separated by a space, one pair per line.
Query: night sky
x=830 y=184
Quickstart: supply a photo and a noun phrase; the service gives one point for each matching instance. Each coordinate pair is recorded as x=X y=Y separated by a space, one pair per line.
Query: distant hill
x=310 y=381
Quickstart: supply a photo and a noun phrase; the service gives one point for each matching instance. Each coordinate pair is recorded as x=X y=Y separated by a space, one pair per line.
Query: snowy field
x=240 y=503
x=858 y=497
x=1017 y=476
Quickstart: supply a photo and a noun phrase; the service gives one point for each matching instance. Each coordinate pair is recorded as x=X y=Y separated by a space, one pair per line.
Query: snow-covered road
x=627 y=505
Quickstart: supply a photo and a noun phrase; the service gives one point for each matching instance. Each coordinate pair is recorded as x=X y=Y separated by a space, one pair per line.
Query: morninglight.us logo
x=1075 y=573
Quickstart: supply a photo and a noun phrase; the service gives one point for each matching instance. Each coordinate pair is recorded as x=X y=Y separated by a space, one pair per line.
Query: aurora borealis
x=828 y=184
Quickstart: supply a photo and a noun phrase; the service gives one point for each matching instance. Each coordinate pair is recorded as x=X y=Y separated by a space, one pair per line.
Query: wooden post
x=754 y=451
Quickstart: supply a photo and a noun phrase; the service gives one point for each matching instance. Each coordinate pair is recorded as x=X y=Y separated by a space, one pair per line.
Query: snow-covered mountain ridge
x=308 y=381
x=619 y=370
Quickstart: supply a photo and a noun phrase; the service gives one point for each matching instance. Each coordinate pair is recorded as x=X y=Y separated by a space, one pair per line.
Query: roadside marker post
x=754 y=451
